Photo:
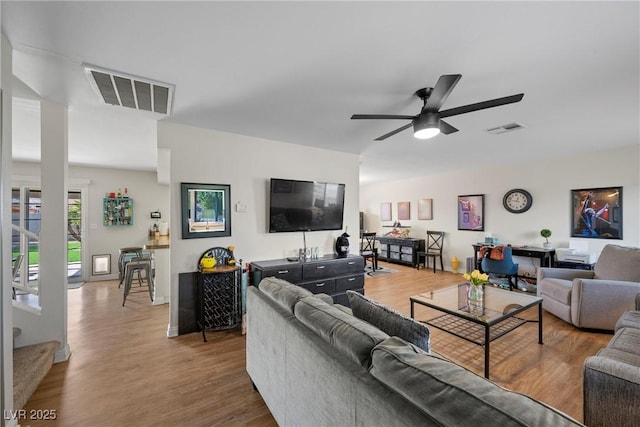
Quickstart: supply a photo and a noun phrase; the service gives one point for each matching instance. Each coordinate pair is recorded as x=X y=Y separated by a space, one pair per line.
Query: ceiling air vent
x=506 y=128
x=124 y=90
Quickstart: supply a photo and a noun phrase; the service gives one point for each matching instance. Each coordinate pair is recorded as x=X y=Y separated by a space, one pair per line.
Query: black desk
x=574 y=265
x=546 y=256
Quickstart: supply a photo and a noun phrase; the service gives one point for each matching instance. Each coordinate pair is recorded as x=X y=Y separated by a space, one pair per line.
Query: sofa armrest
x=563 y=273
x=611 y=392
x=598 y=304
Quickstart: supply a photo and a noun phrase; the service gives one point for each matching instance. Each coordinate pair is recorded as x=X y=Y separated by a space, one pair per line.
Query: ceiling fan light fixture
x=426 y=126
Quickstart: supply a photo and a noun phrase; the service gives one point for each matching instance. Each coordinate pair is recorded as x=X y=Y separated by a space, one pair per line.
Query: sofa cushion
x=630 y=319
x=390 y=321
x=452 y=395
x=351 y=336
x=558 y=289
x=620 y=356
x=627 y=340
x=284 y=293
x=618 y=263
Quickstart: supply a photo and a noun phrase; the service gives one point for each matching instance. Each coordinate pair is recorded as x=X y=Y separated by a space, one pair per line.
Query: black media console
x=329 y=274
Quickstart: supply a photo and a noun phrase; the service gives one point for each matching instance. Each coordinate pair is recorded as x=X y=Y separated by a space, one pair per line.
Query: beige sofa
x=593 y=299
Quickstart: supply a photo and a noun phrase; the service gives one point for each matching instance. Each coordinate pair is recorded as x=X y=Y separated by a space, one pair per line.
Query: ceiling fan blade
x=481 y=105
x=446 y=128
x=441 y=91
x=393 y=132
x=381 y=116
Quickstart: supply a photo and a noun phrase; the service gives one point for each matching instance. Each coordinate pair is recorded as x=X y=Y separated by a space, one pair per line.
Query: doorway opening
x=26 y=219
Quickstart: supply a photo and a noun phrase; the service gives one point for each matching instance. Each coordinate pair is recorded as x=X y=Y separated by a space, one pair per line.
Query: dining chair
x=125 y=255
x=368 y=249
x=138 y=265
x=434 y=246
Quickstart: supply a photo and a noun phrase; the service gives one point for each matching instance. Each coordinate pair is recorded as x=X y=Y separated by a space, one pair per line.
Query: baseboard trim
x=172 y=331
x=160 y=301
x=62 y=354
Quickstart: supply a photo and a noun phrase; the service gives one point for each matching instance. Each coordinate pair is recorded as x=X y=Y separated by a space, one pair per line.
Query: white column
x=53 y=235
x=6 y=343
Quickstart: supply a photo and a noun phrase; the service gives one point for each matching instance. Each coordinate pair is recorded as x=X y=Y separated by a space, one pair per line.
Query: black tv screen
x=305 y=205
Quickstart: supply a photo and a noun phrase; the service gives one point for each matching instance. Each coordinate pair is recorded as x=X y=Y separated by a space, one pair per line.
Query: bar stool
x=124 y=253
x=137 y=265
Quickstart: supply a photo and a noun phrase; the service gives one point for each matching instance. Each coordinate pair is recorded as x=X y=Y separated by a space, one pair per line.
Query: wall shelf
x=117 y=211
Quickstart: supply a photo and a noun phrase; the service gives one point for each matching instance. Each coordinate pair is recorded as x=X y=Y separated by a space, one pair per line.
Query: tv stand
x=330 y=274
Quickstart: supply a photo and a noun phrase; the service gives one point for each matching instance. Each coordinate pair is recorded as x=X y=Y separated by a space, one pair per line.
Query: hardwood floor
x=124 y=371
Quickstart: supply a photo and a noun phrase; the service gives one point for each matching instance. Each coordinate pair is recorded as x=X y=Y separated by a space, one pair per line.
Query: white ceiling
x=297 y=71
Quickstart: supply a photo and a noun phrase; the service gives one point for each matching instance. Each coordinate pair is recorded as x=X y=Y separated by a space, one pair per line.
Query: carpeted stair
x=30 y=365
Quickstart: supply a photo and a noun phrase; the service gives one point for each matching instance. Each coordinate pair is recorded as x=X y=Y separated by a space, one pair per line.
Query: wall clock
x=517 y=200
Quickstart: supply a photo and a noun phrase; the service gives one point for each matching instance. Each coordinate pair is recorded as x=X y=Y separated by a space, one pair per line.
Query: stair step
x=31 y=364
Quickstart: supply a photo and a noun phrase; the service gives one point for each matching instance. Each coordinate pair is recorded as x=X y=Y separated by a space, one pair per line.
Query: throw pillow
x=389 y=321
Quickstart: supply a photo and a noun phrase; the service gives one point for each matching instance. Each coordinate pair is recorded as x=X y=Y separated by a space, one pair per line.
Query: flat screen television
x=305 y=205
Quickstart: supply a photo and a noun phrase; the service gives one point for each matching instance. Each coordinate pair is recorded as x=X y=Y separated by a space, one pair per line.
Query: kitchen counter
x=160 y=243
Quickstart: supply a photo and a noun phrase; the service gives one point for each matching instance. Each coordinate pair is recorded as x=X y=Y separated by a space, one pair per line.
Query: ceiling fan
x=428 y=123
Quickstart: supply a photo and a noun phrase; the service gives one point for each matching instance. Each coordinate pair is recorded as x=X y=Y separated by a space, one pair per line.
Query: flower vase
x=475 y=295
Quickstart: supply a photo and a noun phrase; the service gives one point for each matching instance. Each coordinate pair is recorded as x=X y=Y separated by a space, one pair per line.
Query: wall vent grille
x=120 y=89
x=510 y=127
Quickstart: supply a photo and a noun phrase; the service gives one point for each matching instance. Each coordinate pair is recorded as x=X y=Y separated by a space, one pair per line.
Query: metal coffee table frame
x=478 y=325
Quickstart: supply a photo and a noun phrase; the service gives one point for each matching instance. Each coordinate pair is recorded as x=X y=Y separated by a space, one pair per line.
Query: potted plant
x=546 y=233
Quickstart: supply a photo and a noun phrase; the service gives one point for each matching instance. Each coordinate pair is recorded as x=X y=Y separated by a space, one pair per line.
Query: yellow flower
x=232 y=248
x=476 y=278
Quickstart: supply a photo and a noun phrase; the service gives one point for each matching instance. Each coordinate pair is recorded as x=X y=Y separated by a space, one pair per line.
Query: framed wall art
x=205 y=210
x=385 y=211
x=404 y=211
x=425 y=209
x=596 y=213
x=471 y=212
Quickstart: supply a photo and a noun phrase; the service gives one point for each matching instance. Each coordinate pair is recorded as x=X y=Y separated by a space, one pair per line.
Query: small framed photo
x=425 y=209
x=471 y=212
x=404 y=211
x=385 y=211
x=597 y=213
x=101 y=264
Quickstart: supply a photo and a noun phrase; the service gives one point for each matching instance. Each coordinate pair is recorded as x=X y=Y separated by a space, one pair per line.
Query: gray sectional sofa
x=611 y=378
x=317 y=364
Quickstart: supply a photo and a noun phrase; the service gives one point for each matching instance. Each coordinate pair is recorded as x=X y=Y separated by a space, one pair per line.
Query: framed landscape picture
x=471 y=212
x=596 y=213
x=205 y=210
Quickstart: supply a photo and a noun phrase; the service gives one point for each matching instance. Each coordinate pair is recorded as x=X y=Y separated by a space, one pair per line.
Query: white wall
x=549 y=182
x=143 y=188
x=247 y=163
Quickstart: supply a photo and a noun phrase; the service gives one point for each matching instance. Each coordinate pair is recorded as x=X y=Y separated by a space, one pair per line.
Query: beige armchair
x=593 y=299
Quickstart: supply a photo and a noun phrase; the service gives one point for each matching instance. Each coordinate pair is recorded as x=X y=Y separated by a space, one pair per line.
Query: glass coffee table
x=478 y=324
